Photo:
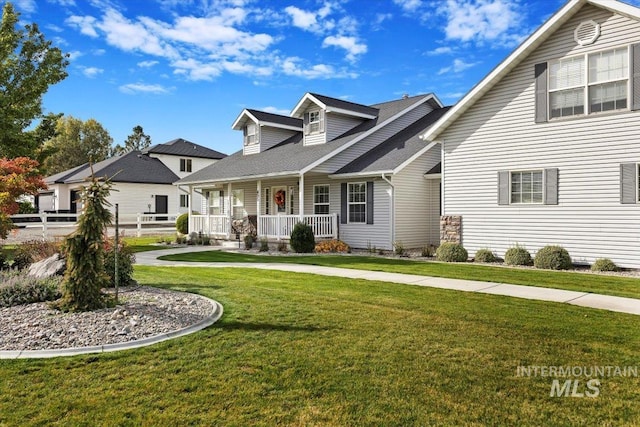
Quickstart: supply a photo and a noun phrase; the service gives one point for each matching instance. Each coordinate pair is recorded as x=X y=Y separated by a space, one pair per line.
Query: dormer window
x=314 y=122
x=250 y=134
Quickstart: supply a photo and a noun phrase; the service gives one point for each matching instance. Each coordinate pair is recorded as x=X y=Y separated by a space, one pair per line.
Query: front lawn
x=297 y=349
x=573 y=281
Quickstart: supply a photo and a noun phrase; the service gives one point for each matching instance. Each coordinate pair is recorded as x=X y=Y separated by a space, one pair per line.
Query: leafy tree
x=75 y=143
x=29 y=64
x=138 y=140
x=85 y=251
x=17 y=177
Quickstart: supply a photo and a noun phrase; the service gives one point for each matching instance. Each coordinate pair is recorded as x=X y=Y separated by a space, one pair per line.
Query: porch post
x=258 y=198
x=229 y=210
x=301 y=197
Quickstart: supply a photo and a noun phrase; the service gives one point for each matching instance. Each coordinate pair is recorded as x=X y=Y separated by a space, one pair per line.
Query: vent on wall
x=587 y=32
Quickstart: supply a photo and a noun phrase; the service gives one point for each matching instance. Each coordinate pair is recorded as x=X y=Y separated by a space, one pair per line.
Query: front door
x=162 y=207
x=73 y=204
x=279 y=199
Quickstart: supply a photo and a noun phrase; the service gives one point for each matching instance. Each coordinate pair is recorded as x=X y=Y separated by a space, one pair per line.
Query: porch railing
x=212 y=225
x=281 y=226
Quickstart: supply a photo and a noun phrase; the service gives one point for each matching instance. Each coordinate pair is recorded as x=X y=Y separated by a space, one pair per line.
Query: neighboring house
x=545 y=150
x=143 y=181
x=351 y=171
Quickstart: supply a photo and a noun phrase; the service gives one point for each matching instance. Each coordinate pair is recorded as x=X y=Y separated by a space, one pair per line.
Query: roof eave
x=529 y=45
x=238 y=178
x=307 y=97
x=360 y=174
x=350 y=113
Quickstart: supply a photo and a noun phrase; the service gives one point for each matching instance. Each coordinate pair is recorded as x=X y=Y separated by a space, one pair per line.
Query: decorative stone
x=49 y=267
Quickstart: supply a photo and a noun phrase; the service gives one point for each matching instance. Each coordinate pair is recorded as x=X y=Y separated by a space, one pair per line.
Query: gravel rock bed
x=143 y=312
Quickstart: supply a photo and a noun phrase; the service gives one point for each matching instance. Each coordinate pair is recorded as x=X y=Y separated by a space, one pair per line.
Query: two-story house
x=143 y=180
x=351 y=171
x=545 y=150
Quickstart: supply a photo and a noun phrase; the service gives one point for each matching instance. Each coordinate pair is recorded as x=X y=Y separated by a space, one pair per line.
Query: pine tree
x=85 y=276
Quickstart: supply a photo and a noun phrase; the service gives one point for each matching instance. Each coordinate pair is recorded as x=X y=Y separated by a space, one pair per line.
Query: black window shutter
x=503 y=187
x=635 y=73
x=541 y=92
x=369 y=202
x=343 y=203
x=551 y=186
x=628 y=183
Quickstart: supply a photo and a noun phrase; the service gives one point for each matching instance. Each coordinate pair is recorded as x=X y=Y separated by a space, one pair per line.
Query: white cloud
x=483 y=21
x=379 y=20
x=99 y=52
x=147 y=64
x=350 y=44
x=276 y=110
x=54 y=28
x=91 y=72
x=409 y=5
x=442 y=50
x=294 y=67
x=27 y=6
x=302 y=19
x=63 y=2
x=86 y=24
x=133 y=88
x=75 y=54
x=458 y=66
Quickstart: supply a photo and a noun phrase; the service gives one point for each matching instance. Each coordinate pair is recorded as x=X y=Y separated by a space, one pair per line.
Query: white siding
x=337 y=124
x=134 y=198
x=272 y=136
x=499 y=133
x=417 y=203
x=173 y=163
x=373 y=140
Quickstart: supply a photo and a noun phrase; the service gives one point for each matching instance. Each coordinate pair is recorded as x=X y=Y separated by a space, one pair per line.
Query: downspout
x=392 y=208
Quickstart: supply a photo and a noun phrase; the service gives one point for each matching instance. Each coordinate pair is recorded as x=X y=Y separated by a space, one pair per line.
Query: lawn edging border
x=213 y=317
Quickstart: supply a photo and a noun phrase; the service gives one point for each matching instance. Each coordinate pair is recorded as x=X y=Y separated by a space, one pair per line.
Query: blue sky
x=187 y=68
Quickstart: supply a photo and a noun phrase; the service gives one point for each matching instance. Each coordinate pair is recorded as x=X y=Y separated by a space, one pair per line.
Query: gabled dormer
x=262 y=130
x=325 y=118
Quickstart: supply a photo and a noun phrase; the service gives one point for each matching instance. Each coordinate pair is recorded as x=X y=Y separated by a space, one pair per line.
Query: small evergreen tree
x=85 y=275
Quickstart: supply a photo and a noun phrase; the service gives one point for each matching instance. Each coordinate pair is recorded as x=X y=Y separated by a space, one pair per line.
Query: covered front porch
x=273 y=206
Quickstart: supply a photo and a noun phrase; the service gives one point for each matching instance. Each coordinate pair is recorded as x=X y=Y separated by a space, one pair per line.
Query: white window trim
x=317 y=122
x=349 y=184
x=520 y=171
x=184 y=197
x=328 y=204
x=188 y=165
x=587 y=84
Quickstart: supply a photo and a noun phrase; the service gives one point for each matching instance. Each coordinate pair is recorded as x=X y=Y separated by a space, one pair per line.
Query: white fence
x=56 y=224
x=280 y=226
x=211 y=225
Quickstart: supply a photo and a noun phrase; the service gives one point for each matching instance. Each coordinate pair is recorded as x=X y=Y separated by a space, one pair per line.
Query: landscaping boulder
x=48 y=267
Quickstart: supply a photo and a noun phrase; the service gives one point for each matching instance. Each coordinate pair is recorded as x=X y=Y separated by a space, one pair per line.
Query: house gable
x=262 y=131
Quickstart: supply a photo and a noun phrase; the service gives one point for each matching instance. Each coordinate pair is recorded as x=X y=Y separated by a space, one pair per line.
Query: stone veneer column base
x=451 y=228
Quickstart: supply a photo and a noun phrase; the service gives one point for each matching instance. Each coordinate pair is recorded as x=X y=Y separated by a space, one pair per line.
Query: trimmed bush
x=126 y=259
x=553 y=257
x=604 y=264
x=182 y=224
x=17 y=288
x=485 y=255
x=451 y=252
x=264 y=245
x=518 y=256
x=248 y=241
x=302 y=238
x=332 y=246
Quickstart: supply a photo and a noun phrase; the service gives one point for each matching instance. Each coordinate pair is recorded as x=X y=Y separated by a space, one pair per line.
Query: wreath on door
x=280 y=198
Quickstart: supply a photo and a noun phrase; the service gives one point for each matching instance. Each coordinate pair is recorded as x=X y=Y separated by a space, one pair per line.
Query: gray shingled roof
x=130 y=167
x=345 y=105
x=396 y=150
x=276 y=118
x=182 y=147
x=290 y=156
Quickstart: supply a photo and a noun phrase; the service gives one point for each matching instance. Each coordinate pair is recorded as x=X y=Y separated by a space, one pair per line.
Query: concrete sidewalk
x=583 y=299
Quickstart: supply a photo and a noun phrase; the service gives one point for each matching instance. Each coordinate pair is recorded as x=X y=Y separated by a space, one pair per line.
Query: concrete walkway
x=584 y=299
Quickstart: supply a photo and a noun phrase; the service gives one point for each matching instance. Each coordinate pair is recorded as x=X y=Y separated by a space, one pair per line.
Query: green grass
x=584 y=282
x=295 y=349
x=147 y=243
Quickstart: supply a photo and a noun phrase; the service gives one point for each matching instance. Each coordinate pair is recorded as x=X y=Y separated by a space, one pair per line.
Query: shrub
x=33 y=251
x=248 y=241
x=428 y=251
x=126 y=259
x=26 y=208
x=485 y=255
x=302 y=238
x=517 y=255
x=398 y=248
x=4 y=264
x=451 y=252
x=332 y=246
x=553 y=258
x=604 y=264
x=264 y=245
x=17 y=288
x=283 y=247
x=182 y=224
